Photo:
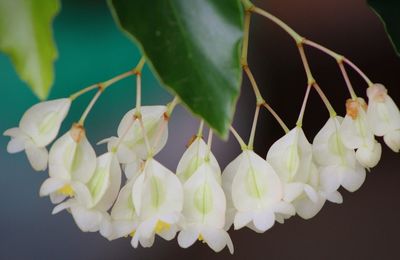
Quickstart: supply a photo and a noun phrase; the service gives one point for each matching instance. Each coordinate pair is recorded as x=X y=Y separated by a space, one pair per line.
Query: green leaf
x=26 y=36
x=193 y=47
x=389 y=12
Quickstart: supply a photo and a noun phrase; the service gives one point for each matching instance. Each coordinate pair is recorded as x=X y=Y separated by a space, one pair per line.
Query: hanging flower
x=130 y=144
x=204 y=211
x=384 y=116
x=357 y=134
x=90 y=204
x=193 y=158
x=38 y=127
x=291 y=157
x=255 y=191
x=157 y=196
x=338 y=163
x=72 y=162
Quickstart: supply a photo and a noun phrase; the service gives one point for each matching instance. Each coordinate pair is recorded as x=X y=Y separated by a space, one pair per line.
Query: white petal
x=311 y=193
x=292 y=191
x=16 y=145
x=217 y=239
x=352 y=180
x=330 y=178
x=284 y=208
x=86 y=219
x=307 y=208
x=264 y=220
x=37 y=157
x=187 y=237
x=204 y=199
x=392 y=140
x=123 y=208
x=73 y=160
x=122 y=228
x=132 y=170
x=51 y=185
x=111 y=194
x=334 y=197
x=369 y=156
x=242 y=219
x=43 y=120
x=193 y=158
x=65 y=205
x=256 y=184
x=168 y=233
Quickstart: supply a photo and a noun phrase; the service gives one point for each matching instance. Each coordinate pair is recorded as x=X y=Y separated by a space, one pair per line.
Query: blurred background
x=91 y=49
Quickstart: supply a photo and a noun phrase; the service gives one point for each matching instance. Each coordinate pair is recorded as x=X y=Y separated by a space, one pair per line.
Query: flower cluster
x=198 y=203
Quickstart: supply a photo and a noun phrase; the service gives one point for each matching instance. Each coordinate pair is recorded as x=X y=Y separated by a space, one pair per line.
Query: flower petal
x=187 y=237
x=37 y=157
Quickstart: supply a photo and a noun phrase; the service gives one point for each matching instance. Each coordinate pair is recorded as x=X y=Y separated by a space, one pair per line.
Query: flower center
x=161 y=226
x=66 y=190
x=201 y=238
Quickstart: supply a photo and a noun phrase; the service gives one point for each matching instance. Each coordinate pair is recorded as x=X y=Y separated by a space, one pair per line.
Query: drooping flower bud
x=356 y=133
x=384 y=116
x=254 y=191
x=130 y=143
x=38 y=127
x=204 y=211
x=157 y=195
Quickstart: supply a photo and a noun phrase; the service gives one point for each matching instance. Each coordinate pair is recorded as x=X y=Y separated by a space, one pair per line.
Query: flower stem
x=339 y=58
x=310 y=77
x=276 y=116
x=105 y=84
x=298 y=39
x=209 y=143
x=259 y=99
x=200 y=131
x=243 y=145
x=138 y=110
x=253 y=128
x=166 y=116
x=89 y=107
x=347 y=80
x=328 y=105
x=303 y=107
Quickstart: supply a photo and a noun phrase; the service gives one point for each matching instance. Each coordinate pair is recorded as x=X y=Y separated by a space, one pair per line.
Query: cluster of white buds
x=199 y=202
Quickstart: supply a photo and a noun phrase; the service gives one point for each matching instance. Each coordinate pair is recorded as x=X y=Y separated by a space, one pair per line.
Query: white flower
x=157 y=195
x=291 y=157
x=38 y=127
x=130 y=143
x=384 y=116
x=338 y=163
x=204 y=211
x=90 y=205
x=254 y=191
x=357 y=134
x=194 y=157
x=72 y=161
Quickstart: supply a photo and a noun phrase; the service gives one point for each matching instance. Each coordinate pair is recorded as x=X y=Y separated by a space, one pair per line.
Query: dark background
x=365 y=226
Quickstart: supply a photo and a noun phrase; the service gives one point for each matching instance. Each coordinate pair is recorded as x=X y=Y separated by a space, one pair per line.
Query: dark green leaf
x=26 y=36
x=389 y=12
x=194 y=49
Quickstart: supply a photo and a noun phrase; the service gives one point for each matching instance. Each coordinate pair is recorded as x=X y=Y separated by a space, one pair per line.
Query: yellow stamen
x=161 y=226
x=132 y=234
x=66 y=190
x=201 y=238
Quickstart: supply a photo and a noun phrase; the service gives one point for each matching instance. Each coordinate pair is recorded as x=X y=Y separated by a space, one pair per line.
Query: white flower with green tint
x=384 y=116
x=357 y=134
x=72 y=161
x=38 y=127
x=90 y=204
x=157 y=196
x=194 y=157
x=254 y=193
x=338 y=164
x=204 y=210
x=124 y=218
x=291 y=158
x=130 y=143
